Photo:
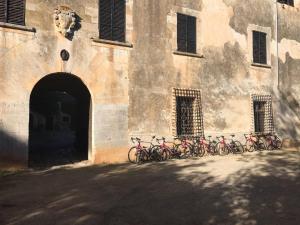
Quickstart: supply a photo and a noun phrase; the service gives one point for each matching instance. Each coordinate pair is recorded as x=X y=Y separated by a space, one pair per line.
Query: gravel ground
x=255 y=188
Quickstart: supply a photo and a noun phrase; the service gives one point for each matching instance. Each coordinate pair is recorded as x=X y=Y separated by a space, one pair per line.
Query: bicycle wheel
x=185 y=150
x=249 y=146
x=278 y=143
x=222 y=149
x=155 y=153
x=165 y=154
x=141 y=157
x=213 y=149
x=196 y=150
x=239 y=148
x=175 y=153
x=132 y=154
x=201 y=150
x=261 y=145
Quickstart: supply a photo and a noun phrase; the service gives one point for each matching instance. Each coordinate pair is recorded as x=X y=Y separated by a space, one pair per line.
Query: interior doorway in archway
x=59 y=121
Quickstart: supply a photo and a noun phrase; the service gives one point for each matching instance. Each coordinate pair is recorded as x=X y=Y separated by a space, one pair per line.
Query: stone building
x=85 y=76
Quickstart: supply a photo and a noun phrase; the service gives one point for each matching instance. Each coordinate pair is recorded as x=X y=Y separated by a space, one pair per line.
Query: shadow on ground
x=259 y=188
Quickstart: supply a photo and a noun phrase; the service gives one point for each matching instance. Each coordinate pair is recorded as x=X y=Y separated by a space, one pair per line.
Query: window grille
x=12 y=11
x=112 y=19
x=259 y=116
x=186 y=33
x=259 y=47
x=262 y=113
x=185 y=120
x=187 y=113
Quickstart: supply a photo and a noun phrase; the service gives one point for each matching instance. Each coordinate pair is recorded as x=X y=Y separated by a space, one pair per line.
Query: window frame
x=268 y=31
x=189 y=48
x=195 y=94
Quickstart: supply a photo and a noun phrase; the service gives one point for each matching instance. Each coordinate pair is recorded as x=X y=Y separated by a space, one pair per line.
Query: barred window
x=186 y=33
x=12 y=11
x=287 y=2
x=187 y=109
x=112 y=20
x=259 y=47
x=259 y=116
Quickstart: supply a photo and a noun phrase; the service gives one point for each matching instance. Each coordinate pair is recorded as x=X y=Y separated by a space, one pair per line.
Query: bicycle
x=272 y=142
x=203 y=146
x=166 y=151
x=253 y=142
x=235 y=147
x=139 y=153
x=185 y=147
x=222 y=147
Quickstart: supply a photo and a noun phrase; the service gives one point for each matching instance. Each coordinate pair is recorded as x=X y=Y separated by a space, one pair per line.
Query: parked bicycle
x=139 y=153
x=166 y=151
x=254 y=143
x=186 y=147
x=233 y=146
x=203 y=146
x=272 y=142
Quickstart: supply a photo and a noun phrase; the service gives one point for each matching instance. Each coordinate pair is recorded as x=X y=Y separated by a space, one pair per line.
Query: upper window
x=287 y=2
x=12 y=11
x=112 y=20
x=259 y=47
x=186 y=33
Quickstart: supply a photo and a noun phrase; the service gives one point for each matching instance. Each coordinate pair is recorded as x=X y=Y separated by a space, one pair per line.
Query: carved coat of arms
x=65 y=20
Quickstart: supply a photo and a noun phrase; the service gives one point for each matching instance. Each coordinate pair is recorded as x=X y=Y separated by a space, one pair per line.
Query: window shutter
x=16 y=12
x=118 y=25
x=263 y=48
x=181 y=32
x=259 y=47
x=3 y=11
x=288 y=2
x=191 y=34
x=105 y=17
x=255 y=47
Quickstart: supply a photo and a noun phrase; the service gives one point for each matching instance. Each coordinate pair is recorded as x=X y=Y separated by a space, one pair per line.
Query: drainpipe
x=277 y=88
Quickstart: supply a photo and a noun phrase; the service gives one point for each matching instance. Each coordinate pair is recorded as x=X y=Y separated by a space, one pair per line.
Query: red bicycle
x=166 y=151
x=253 y=142
x=139 y=153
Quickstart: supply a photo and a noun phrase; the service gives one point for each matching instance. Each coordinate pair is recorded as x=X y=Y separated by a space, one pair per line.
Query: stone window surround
x=269 y=121
x=128 y=30
x=268 y=31
x=195 y=93
x=172 y=16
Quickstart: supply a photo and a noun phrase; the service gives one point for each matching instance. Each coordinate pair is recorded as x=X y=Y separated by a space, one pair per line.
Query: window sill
x=261 y=65
x=17 y=27
x=117 y=43
x=195 y=55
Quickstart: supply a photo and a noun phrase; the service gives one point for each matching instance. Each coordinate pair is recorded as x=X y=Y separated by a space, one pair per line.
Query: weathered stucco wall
x=289 y=64
x=224 y=74
x=26 y=57
x=131 y=88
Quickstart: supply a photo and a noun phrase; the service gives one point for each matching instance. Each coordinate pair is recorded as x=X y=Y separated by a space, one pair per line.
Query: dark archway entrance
x=59 y=121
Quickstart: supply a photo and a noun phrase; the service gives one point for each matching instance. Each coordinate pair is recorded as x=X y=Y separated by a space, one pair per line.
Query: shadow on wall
x=288 y=117
x=13 y=152
x=259 y=188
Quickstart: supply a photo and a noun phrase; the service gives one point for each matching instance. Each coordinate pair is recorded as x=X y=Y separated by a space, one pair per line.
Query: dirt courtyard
x=256 y=188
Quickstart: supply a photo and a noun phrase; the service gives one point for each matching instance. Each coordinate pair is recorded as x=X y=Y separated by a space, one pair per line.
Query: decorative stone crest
x=65 y=20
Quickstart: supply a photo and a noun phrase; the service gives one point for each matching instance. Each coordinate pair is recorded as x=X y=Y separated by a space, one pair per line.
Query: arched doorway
x=59 y=121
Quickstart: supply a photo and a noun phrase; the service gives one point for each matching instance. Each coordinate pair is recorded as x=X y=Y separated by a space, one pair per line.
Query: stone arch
x=60 y=121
